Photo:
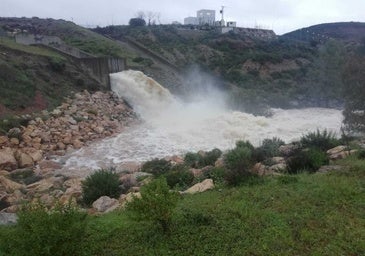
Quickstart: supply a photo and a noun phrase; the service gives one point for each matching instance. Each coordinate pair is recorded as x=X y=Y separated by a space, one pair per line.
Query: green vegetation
x=179 y=177
x=101 y=183
x=45 y=232
x=30 y=49
x=156 y=167
x=200 y=160
x=11 y=121
x=157 y=204
x=322 y=140
x=269 y=148
x=301 y=214
x=238 y=162
x=307 y=160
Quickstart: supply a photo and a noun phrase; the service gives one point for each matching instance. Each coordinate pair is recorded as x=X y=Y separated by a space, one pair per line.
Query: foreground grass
x=318 y=214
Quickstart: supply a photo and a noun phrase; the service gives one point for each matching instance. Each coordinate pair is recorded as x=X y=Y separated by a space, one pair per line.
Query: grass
x=35 y=50
x=317 y=214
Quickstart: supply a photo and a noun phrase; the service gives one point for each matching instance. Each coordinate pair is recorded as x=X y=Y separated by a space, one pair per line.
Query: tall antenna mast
x=222 y=13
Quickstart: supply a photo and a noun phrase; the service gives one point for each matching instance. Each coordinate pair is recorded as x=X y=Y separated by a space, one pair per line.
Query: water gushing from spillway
x=171 y=127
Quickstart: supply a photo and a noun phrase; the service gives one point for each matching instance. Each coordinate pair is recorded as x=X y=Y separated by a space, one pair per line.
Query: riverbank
x=26 y=166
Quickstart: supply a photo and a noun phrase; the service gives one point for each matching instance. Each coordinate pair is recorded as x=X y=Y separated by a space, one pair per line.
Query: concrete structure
x=224 y=30
x=99 y=68
x=191 y=21
x=29 y=39
x=206 y=17
x=231 y=24
x=53 y=42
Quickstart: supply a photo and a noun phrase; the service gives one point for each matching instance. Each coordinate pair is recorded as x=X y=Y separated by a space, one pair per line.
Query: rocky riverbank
x=26 y=168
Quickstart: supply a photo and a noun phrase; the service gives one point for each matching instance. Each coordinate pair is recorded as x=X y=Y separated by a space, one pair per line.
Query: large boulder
x=35 y=154
x=105 y=204
x=339 y=152
x=289 y=149
x=200 y=187
x=24 y=160
x=8 y=185
x=7 y=159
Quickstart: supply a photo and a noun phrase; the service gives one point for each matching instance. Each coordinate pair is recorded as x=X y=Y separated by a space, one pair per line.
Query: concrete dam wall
x=102 y=67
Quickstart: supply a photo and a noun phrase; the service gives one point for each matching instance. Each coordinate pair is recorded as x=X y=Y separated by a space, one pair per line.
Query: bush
x=192 y=159
x=309 y=160
x=217 y=174
x=268 y=149
x=57 y=64
x=100 y=183
x=179 y=176
x=238 y=162
x=197 y=160
x=361 y=154
x=156 y=167
x=322 y=140
x=9 y=122
x=43 y=232
x=210 y=157
x=156 y=204
x=137 y=22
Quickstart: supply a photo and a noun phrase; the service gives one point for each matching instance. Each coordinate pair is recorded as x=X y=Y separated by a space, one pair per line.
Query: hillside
x=256 y=71
x=347 y=32
x=34 y=78
x=262 y=71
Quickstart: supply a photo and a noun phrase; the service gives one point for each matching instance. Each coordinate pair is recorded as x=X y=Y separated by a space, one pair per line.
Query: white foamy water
x=174 y=128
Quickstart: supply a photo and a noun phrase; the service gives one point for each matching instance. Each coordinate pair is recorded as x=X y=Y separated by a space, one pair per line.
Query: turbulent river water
x=172 y=127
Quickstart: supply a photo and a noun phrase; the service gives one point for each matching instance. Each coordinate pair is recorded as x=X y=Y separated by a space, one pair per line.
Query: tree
x=137 y=22
x=157 y=203
x=354 y=93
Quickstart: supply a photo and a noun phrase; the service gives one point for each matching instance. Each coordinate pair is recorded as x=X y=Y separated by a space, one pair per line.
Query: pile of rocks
x=84 y=118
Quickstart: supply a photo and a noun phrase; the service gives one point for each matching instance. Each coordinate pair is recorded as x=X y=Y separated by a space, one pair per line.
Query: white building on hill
x=206 y=17
x=191 y=21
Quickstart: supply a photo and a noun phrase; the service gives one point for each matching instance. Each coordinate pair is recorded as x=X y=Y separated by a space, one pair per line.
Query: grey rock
x=8 y=218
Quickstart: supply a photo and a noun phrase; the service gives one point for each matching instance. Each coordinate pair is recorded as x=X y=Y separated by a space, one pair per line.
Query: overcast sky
x=280 y=15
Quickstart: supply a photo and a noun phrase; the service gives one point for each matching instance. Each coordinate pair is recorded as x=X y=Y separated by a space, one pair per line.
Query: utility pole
x=222 y=13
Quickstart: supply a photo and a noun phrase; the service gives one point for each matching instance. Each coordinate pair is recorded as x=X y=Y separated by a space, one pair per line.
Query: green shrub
x=44 y=232
x=322 y=140
x=57 y=64
x=268 y=149
x=217 y=174
x=308 y=160
x=9 y=122
x=192 y=159
x=156 y=204
x=100 y=183
x=238 y=162
x=361 y=154
x=197 y=160
x=210 y=157
x=179 y=176
x=156 y=167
